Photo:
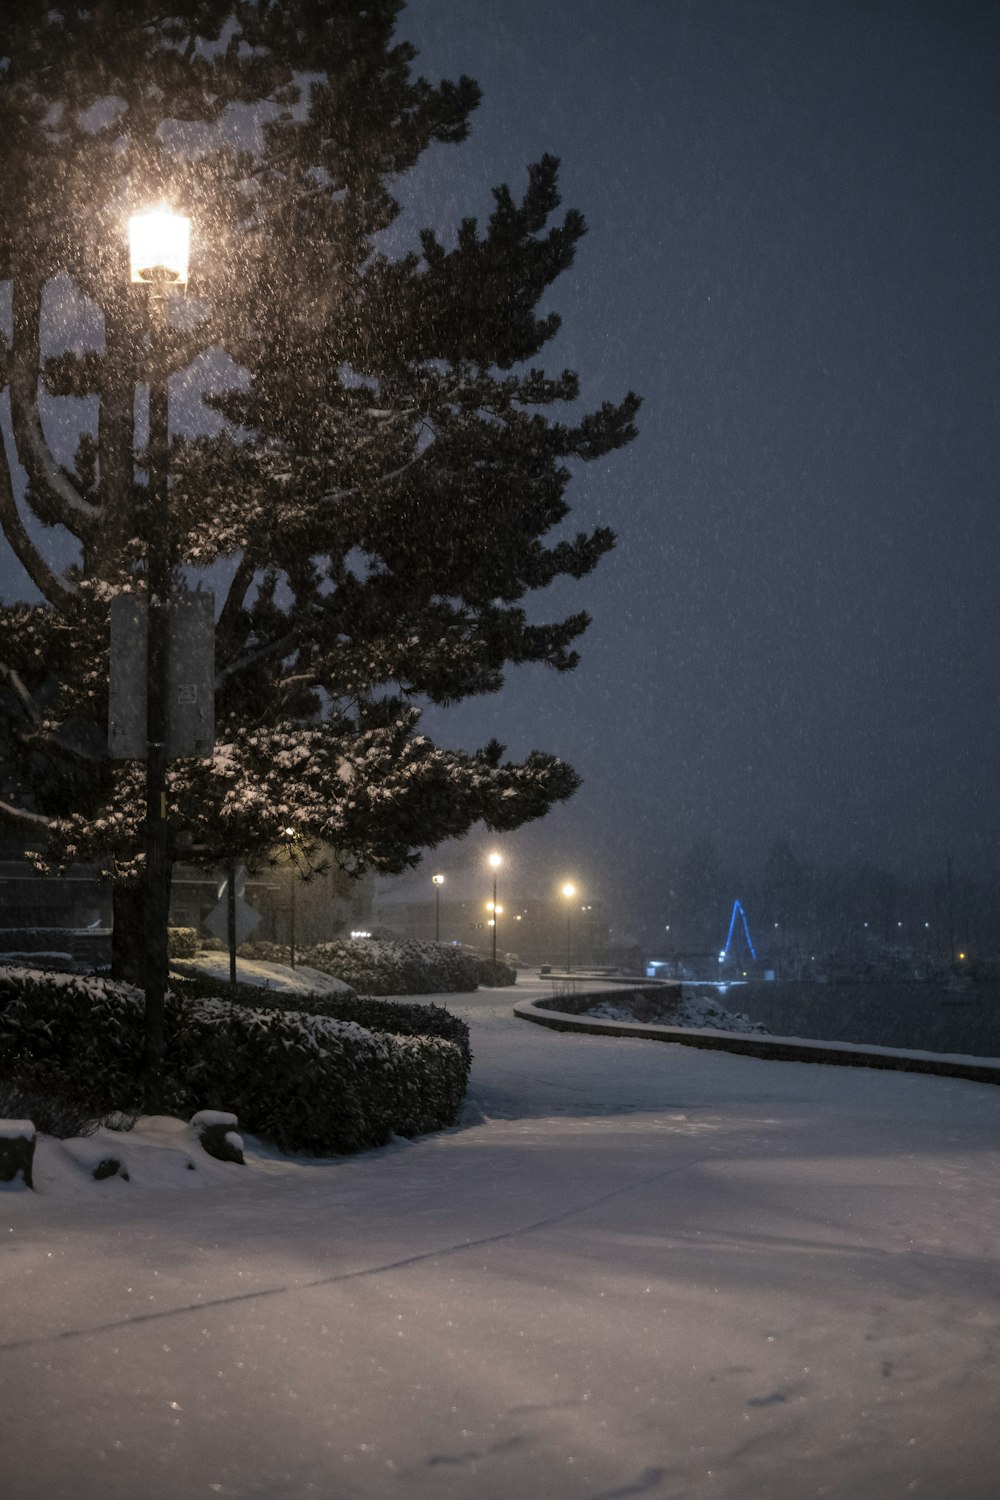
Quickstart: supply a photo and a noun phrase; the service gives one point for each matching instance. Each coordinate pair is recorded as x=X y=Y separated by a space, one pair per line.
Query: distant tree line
x=797 y=909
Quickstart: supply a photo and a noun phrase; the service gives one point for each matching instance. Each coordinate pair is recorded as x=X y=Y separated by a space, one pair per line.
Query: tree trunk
x=128 y=942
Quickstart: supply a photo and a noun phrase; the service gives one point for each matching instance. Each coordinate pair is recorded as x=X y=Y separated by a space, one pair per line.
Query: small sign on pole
x=190 y=676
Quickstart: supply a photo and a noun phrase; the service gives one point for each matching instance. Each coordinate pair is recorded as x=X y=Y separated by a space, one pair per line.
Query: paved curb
x=774 y=1048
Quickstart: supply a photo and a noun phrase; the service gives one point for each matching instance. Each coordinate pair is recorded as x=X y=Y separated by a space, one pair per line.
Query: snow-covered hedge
x=36 y=939
x=376 y=966
x=57 y=1105
x=182 y=942
x=375 y=1015
x=495 y=975
x=307 y=1082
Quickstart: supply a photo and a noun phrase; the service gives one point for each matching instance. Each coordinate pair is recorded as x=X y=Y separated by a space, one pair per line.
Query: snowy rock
x=17 y=1150
x=216 y=1132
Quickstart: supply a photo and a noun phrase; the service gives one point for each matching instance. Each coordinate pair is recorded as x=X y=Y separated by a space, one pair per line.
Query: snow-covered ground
x=635 y=1269
x=300 y=980
x=691 y=1010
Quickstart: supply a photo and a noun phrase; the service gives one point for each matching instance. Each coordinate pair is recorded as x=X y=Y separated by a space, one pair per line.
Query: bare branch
x=58 y=591
x=334 y=496
x=77 y=754
x=64 y=501
x=14 y=681
x=280 y=648
x=21 y=817
x=242 y=579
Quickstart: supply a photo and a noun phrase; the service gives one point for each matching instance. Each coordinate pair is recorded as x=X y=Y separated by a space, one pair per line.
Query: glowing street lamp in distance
x=494 y=861
x=568 y=889
x=437 y=881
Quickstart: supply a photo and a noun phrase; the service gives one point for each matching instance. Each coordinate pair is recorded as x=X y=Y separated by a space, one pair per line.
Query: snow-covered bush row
x=307 y=1082
x=376 y=966
x=312 y=1083
x=36 y=939
x=197 y=982
x=374 y=1015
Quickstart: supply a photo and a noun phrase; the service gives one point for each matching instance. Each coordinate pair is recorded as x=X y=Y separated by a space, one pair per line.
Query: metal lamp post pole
x=438 y=882
x=495 y=918
x=291 y=945
x=158 y=577
x=292 y=872
x=569 y=892
x=158 y=259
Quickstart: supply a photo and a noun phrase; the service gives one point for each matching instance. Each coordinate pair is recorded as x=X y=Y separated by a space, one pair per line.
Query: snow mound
x=268 y=976
x=693 y=1010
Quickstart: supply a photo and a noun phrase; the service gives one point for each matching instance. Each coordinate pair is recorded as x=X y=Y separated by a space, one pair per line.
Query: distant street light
x=495 y=861
x=158 y=259
x=569 y=891
x=289 y=834
x=438 y=881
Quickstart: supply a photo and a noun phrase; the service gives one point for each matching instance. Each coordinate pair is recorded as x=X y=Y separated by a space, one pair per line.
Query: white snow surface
x=208 y=1117
x=634 y=1269
x=16 y=1130
x=691 y=1010
x=300 y=980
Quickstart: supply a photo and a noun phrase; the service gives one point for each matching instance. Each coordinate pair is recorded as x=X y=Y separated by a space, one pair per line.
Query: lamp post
x=438 y=881
x=159 y=243
x=569 y=891
x=292 y=870
x=495 y=861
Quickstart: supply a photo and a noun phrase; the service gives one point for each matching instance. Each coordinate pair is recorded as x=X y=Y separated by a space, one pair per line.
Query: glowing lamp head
x=569 y=890
x=437 y=879
x=495 y=861
x=159 y=244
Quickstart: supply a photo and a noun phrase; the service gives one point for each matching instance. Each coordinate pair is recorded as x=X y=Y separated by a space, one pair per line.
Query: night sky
x=793 y=255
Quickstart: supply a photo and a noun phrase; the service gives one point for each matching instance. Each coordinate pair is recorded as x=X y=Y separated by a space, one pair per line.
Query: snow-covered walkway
x=635 y=1270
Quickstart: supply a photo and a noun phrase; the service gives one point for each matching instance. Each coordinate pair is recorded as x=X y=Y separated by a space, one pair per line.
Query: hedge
x=376 y=966
x=307 y=1082
x=375 y=1015
x=182 y=942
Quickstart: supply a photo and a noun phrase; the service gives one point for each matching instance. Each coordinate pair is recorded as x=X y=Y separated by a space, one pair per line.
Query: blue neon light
x=738 y=909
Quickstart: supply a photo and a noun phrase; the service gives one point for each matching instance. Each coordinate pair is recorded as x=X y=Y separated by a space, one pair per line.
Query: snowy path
x=635 y=1270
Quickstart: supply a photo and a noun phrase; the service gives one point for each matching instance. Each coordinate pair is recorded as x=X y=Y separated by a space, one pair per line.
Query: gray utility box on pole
x=190 y=677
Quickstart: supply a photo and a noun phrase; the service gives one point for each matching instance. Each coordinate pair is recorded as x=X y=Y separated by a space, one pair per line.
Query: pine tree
x=386 y=464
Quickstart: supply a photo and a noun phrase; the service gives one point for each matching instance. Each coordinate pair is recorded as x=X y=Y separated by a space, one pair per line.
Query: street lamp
x=495 y=861
x=159 y=242
x=569 y=891
x=289 y=834
x=438 y=881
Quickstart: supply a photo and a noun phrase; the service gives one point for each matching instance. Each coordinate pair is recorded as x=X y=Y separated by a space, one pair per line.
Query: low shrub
x=37 y=939
x=378 y=967
x=308 y=1082
x=374 y=1015
x=54 y=1103
x=192 y=982
x=495 y=975
x=182 y=942
x=89 y=1029
x=267 y=953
